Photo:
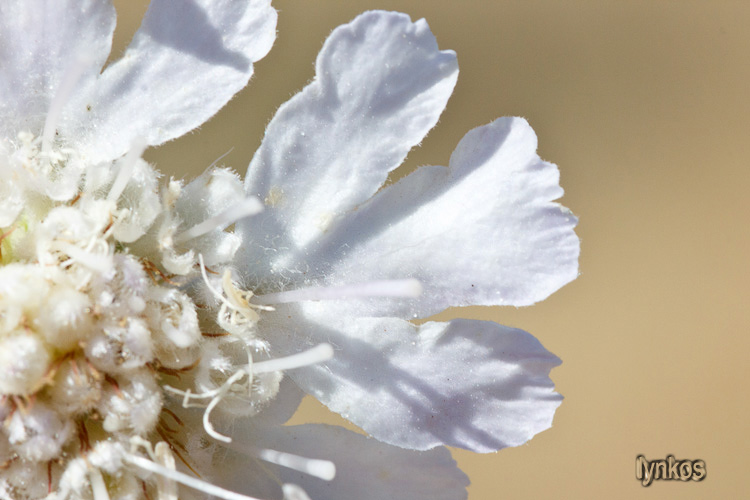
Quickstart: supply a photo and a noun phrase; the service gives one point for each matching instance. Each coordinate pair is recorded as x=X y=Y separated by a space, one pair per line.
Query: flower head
x=144 y=346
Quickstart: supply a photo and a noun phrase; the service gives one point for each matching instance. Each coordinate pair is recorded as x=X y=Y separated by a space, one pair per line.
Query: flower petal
x=471 y=384
x=188 y=58
x=483 y=232
x=381 y=84
x=243 y=474
x=365 y=468
x=39 y=41
x=283 y=406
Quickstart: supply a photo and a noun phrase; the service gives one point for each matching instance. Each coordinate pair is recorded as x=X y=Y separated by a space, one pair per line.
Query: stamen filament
x=207 y=425
x=95 y=262
x=248 y=207
x=217 y=160
x=98 y=488
x=318 y=354
x=184 y=479
x=215 y=293
x=381 y=288
x=126 y=164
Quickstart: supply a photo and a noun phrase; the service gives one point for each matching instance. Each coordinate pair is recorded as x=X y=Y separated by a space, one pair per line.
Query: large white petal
x=365 y=468
x=380 y=86
x=188 y=58
x=484 y=231
x=471 y=384
x=39 y=41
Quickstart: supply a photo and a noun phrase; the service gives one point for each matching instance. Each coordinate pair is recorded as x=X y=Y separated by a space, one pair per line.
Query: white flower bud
x=76 y=387
x=38 y=433
x=175 y=316
x=131 y=403
x=64 y=320
x=23 y=362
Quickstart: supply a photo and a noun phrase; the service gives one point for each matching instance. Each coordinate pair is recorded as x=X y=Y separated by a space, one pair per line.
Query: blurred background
x=644 y=106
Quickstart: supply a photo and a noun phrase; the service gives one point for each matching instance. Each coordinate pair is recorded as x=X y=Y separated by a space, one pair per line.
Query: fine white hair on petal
x=192 y=57
x=381 y=83
x=39 y=41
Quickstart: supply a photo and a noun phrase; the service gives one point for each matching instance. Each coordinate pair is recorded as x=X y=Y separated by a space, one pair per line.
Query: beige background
x=643 y=105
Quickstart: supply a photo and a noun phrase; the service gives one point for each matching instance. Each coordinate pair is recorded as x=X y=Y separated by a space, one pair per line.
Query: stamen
x=64 y=91
x=216 y=294
x=237 y=297
x=189 y=481
x=318 y=354
x=165 y=487
x=127 y=165
x=98 y=488
x=235 y=307
x=324 y=469
x=95 y=262
x=246 y=208
x=294 y=492
x=225 y=387
x=381 y=288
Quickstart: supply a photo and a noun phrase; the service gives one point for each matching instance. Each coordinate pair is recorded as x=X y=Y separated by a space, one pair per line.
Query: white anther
x=324 y=469
x=236 y=301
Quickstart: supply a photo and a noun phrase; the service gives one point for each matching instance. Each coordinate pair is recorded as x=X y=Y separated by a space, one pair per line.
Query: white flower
x=141 y=344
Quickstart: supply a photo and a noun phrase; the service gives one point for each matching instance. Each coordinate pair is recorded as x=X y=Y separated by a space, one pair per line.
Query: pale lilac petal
x=188 y=58
x=471 y=384
x=381 y=84
x=484 y=231
x=365 y=468
x=39 y=41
